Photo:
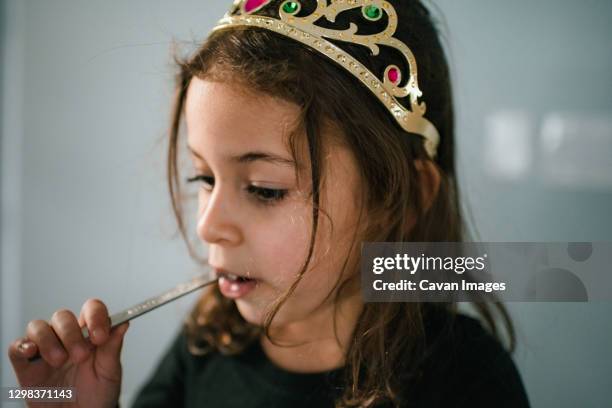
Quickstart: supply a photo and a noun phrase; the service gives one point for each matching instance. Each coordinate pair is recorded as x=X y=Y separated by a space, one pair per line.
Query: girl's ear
x=429 y=178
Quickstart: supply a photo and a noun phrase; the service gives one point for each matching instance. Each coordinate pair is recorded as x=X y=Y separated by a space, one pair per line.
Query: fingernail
x=98 y=334
x=25 y=346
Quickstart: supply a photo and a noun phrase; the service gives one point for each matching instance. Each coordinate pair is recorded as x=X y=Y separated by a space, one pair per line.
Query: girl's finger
x=108 y=355
x=94 y=315
x=49 y=345
x=67 y=328
x=27 y=373
x=20 y=350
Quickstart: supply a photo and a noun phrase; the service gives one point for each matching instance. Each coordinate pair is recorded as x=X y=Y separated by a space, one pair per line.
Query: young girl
x=306 y=125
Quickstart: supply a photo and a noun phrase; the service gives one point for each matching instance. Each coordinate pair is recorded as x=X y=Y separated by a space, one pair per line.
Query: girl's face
x=253 y=213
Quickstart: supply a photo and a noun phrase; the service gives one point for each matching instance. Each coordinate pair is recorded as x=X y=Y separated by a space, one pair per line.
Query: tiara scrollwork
x=385 y=86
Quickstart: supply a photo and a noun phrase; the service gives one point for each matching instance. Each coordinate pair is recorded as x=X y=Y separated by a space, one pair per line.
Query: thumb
x=108 y=355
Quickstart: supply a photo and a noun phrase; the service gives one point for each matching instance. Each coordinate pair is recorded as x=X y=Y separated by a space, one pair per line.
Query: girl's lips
x=234 y=286
x=235 y=289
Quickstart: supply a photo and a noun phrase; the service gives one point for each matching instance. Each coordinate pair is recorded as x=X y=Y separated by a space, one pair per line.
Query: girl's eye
x=264 y=195
x=205 y=179
x=267 y=195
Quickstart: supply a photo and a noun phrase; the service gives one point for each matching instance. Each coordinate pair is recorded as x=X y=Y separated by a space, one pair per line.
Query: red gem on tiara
x=251 y=5
x=393 y=75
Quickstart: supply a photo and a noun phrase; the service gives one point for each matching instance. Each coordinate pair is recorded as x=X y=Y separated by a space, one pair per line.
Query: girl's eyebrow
x=253 y=156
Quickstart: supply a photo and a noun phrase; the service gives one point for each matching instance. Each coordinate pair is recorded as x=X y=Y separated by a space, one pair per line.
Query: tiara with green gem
x=302 y=28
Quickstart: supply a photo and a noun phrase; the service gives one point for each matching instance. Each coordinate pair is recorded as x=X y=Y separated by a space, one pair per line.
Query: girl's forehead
x=210 y=100
x=233 y=114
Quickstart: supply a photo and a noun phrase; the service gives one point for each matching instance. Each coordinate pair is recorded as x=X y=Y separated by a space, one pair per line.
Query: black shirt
x=468 y=368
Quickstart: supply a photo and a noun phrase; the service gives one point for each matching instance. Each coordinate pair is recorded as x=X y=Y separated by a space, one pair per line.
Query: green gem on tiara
x=371 y=12
x=291 y=7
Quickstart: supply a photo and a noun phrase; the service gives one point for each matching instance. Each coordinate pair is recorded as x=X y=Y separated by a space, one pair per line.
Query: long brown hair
x=265 y=62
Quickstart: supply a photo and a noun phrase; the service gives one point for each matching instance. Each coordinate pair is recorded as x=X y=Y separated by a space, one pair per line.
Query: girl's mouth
x=233 y=286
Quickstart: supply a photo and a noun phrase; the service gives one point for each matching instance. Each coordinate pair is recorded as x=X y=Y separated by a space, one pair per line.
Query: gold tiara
x=303 y=29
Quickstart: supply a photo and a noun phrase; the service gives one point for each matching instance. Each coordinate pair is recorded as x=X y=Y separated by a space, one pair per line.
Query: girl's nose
x=217 y=218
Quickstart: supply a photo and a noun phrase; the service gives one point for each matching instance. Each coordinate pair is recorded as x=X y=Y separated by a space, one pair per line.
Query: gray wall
x=85 y=100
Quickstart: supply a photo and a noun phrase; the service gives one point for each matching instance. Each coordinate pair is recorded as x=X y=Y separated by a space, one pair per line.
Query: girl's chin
x=256 y=316
x=250 y=312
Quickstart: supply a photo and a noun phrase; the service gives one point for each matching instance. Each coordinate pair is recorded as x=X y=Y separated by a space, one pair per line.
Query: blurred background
x=86 y=89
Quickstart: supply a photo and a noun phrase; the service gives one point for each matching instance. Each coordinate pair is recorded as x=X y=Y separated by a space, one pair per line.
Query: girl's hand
x=92 y=367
